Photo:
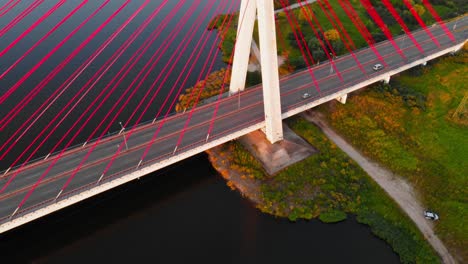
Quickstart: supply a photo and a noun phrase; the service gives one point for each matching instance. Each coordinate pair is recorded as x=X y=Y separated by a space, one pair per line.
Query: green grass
x=332 y=216
x=329 y=185
x=423 y=144
x=287 y=43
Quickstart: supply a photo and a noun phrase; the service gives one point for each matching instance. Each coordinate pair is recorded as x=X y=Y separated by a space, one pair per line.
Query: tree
x=253 y=78
x=292 y=40
x=337 y=46
x=305 y=13
x=314 y=44
x=332 y=34
x=319 y=55
x=419 y=9
x=281 y=16
x=297 y=62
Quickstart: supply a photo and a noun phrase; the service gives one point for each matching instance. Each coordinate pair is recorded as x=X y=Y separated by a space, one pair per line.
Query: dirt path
x=400 y=191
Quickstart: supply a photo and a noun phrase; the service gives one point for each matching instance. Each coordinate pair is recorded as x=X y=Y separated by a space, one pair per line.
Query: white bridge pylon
x=249 y=11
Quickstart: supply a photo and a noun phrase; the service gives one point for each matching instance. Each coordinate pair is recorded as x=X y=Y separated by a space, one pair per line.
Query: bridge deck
x=236 y=116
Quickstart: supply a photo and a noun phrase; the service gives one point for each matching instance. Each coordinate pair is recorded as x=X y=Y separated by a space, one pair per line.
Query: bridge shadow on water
x=185 y=213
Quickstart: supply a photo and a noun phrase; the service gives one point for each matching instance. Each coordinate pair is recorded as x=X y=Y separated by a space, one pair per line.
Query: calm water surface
x=184 y=213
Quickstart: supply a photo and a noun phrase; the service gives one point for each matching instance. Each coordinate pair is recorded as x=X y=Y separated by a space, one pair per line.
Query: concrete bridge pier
x=264 y=10
x=247 y=17
x=424 y=63
x=342 y=98
x=386 y=79
x=457 y=48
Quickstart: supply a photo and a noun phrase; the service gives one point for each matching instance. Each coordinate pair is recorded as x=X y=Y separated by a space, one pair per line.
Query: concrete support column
x=424 y=63
x=245 y=28
x=386 y=79
x=270 y=75
x=458 y=47
x=342 y=99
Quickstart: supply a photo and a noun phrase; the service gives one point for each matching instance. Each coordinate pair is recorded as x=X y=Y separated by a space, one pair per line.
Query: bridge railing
x=79 y=145
x=110 y=177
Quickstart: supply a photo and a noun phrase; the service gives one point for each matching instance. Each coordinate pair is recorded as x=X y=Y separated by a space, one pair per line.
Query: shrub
x=332 y=216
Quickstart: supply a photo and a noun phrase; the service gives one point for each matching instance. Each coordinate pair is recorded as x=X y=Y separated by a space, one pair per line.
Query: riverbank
x=295 y=193
x=417 y=128
x=328 y=185
x=394 y=185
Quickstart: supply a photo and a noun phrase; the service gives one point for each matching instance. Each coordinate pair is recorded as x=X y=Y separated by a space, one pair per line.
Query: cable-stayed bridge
x=70 y=173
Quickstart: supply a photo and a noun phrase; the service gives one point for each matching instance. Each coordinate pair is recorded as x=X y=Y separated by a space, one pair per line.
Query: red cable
x=108 y=63
x=79 y=71
x=439 y=20
x=400 y=21
x=89 y=38
x=220 y=35
x=11 y=7
x=338 y=21
x=179 y=26
x=301 y=35
x=142 y=80
x=314 y=17
x=282 y=40
x=154 y=95
x=420 y=21
x=159 y=112
x=53 y=73
x=164 y=48
x=295 y=30
x=34 y=92
x=376 y=17
x=345 y=40
x=103 y=91
x=354 y=16
x=20 y=17
x=181 y=136
x=174 y=100
x=39 y=64
x=145 y=46
x=61 y=153
x=31 y=28
x=6 y=5
x=325 y=50
x=221 y=91
x=171 y=91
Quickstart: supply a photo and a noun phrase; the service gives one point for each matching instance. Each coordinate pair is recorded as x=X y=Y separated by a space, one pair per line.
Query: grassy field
x=412 y=128
x=329 y=185
x=287 y=42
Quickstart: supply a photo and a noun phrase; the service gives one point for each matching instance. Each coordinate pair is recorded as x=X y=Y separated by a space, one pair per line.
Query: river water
x=184 y=213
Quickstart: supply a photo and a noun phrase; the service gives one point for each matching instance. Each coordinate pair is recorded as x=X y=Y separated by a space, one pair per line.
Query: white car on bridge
x=377 y=67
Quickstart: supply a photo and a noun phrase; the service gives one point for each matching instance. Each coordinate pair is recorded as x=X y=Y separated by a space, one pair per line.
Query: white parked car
x=431 y=215
x=377 y=67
